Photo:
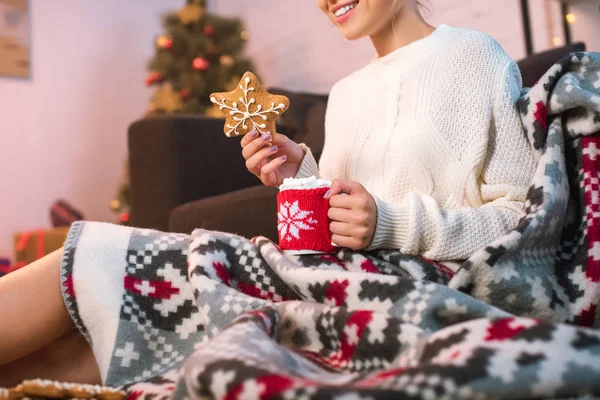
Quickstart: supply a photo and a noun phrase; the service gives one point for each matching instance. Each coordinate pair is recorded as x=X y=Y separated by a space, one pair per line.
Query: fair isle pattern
x=159 y=320
x=214 y=315
x=554 y=251
x=588 y=308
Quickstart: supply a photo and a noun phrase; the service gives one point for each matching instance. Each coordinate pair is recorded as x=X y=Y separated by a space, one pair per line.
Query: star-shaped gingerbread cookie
x=249 y=107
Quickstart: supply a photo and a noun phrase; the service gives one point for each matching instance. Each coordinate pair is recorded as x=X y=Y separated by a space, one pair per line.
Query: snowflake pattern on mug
x=293 y=220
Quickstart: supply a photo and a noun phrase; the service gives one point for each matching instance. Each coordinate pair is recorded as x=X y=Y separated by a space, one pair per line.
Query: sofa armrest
x=248 y=212
x=175 y=159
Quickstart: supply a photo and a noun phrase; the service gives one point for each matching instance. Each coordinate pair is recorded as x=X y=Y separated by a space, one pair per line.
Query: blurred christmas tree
x=120 y=204
x=199 y=53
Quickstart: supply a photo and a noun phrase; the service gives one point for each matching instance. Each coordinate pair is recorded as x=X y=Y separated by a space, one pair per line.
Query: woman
x=425 y=141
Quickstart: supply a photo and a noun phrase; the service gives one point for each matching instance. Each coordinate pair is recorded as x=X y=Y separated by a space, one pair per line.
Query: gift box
x=63 y=214
x=5 y=266
x=33 y=245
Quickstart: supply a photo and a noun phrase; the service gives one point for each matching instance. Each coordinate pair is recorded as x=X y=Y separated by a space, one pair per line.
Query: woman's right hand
x=271 y=159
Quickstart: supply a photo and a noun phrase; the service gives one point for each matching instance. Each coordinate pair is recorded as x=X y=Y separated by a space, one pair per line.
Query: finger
x=280 y=139
x=272 y=165
x=358 y=232
x=336 y=188
x=340 y=215
x=345 y=241
x=256 y=145
x=341 y=228
x=343 y=201
x=246 y=139
x=343 y=186
x=259 y=159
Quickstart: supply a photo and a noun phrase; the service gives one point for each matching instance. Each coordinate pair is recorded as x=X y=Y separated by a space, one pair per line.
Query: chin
x=354 y=31
x=352 y=34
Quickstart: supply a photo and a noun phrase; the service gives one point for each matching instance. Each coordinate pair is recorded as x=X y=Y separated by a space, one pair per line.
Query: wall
x=63 y=131
x=547 y=23
x=294 y=45
x=586 y=26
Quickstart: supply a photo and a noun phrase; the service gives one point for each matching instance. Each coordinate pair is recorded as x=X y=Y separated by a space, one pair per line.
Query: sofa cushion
x=536 y=65
x=247 y=212
x=305 y=119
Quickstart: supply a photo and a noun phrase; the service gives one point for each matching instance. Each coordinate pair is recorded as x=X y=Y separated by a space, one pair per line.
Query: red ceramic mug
x=302 y=221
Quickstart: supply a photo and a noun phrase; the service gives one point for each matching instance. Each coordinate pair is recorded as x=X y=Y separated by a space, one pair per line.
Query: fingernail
x=253 y=133
x=266 y=136
x=326 y=195
x=284 y=157
x=273 y=148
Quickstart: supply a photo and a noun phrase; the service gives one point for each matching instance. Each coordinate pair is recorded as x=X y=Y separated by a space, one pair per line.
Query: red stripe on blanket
x=336 y=293
x=264 y=387
x=333 y=260
x=154 y=289
x=591 y=151
x=68 y=285
x=502 y=330
x=540 y=114
x=588 y=316
x=135 y=395
x=253 y=291
x=380 y=376
x=222 y=273
x=353 y=330
x=368 y=266
x=447 y=272
x=591 y=186
x=355 y=326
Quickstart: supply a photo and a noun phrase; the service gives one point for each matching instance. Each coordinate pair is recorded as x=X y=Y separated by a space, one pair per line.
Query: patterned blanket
x=215 y=315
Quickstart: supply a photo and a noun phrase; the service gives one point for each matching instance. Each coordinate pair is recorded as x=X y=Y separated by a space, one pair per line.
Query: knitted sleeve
x=418 y=225
x=309 y=166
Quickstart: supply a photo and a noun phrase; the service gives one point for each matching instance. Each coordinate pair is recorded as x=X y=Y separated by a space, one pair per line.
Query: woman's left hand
x=353 y=214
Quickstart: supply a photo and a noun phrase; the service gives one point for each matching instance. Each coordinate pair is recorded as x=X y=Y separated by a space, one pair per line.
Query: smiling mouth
x=340 y=12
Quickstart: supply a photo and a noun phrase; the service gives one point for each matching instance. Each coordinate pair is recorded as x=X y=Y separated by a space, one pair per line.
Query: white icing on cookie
x=242 y=113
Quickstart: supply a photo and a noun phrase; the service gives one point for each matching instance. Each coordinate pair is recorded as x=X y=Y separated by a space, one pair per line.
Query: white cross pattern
x=594 y=251
x=145 y=288
x=591 y=151
x=127 y=354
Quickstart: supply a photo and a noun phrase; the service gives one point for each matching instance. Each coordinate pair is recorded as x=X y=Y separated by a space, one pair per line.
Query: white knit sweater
x=433 y=133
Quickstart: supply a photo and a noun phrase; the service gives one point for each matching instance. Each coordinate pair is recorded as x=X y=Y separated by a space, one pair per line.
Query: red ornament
x=185 y=93
x=209 y=30
x=124 y=217
x=201 y=64
x=153 y=77
x=164 y=42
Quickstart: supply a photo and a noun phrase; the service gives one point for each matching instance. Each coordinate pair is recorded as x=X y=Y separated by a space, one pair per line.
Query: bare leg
x=32 y=311
x=37 y=336
x=68 y=359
